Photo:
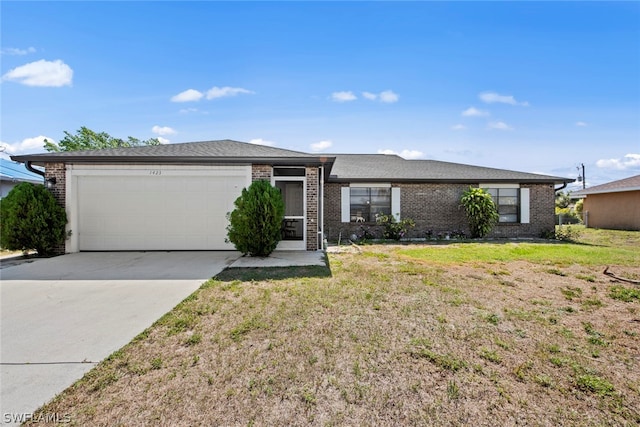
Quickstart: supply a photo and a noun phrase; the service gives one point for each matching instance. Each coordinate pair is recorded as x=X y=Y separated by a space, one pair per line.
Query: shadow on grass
x=272 y=273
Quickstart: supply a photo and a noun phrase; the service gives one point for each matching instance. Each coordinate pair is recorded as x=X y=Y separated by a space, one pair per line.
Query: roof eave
x=454 y=180
x=281 y=161
x=14 y=179
x=584 y=193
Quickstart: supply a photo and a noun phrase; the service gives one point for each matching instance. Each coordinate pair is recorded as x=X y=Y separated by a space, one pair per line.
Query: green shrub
x=567 y=216
x=393 y=229
x=567 y=234
x=30 y=218
x=255 y=225
x=579 y=207
x=480 y=210
x=563 y=200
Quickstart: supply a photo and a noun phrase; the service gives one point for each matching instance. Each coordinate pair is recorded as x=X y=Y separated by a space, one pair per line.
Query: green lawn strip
x=538 y=253
x=611 y=238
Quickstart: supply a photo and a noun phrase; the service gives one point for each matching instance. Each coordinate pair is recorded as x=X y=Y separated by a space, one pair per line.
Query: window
x=367 y=202
x=288 y=171
x=507 y=201
x=361 y=202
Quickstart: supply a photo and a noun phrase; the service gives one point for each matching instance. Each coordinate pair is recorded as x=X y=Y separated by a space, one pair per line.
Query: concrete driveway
x=61 y=316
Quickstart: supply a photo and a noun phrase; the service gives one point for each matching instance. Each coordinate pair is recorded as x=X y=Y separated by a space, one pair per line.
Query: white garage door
x=156 y=209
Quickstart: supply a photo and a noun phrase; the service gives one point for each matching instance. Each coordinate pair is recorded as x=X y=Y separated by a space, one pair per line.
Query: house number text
x=155 y=172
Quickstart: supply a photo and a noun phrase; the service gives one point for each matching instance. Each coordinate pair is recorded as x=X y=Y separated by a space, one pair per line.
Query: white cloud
x=499 y=126
x=370 y=96
x=163 y=140
x=17 y=51
x=581 y=124
x=188 y=110
x=321 y=146
x=163 y=130
x=389 y=97
x=42 y=73
x=406 y=154
x=190 y=95
x=492 y=97
x=387 y=151
x=411 y=154
x=474 y=112
x=221 y=92
x=344 y=96
x=26 y=146
x=459 y=126
x=630 y=161
x=187 y=96
x=260 y=141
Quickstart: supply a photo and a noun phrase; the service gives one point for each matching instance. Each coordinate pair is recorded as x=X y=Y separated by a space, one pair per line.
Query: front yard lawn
x=465 y=334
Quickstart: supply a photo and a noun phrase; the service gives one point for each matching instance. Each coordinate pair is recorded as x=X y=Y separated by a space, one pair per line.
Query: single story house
x=12 y=174
x=177 y=196
x=614 y=205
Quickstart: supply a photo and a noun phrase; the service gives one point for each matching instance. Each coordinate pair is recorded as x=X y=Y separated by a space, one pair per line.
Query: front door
x=294 y=223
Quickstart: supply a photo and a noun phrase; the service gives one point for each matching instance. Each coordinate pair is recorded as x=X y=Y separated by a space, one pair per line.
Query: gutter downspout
x=561 y=188
x=321 y=210
x=30 y=168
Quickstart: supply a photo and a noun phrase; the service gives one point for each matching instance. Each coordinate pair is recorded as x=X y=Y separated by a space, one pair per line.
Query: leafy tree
x=480 y=210
x=30 y=218
x=579 y=208
x=86 y=139
x=255 y=225
x=563 y=200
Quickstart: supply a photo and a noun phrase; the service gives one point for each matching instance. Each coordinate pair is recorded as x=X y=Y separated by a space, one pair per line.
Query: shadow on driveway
x=201 y=265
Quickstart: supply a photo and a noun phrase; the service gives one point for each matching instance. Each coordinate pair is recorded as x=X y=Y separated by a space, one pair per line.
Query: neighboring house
x=615 y=205
x=12 y=174
x=177 y=196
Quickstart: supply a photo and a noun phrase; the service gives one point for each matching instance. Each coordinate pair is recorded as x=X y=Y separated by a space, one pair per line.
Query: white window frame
x=345 y=199
x=524 y=213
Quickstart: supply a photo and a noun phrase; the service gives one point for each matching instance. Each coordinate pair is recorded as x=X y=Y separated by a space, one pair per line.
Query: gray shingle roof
x=347 y=167
x=384 y=167
x=627 y=184
x=223 y=150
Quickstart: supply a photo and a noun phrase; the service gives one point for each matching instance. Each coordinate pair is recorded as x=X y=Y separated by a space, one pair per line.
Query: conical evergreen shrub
x=255 y=225
x=30 y=218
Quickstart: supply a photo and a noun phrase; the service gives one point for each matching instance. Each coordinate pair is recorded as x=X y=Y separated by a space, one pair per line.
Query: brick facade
x=261 y=172
x=312 y=208
x=59 y=190
x=435 y=207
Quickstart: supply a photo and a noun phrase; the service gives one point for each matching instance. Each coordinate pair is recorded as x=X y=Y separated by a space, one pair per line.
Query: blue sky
x=528 y=86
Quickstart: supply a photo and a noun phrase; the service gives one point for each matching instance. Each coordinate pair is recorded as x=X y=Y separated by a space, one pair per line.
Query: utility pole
x=582 y=177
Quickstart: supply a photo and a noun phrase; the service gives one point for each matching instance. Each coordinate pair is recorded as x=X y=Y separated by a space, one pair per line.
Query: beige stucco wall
x=617 y=211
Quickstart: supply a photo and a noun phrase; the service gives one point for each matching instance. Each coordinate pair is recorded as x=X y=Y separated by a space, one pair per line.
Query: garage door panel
x=133 y=210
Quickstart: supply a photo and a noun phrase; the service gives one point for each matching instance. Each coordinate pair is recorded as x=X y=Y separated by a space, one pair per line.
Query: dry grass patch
x=385 y=340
